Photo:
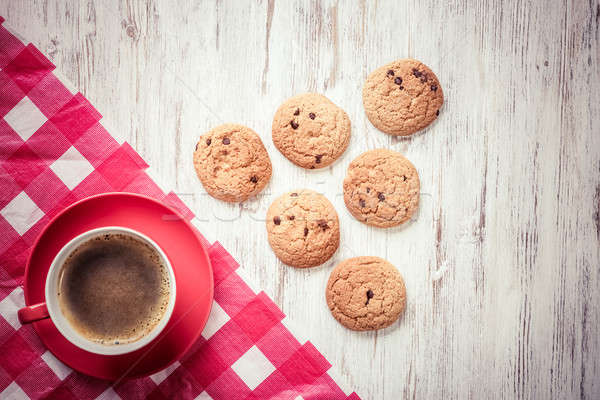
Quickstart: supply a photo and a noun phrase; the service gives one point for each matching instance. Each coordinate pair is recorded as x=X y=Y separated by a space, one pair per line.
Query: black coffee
x=114 y=289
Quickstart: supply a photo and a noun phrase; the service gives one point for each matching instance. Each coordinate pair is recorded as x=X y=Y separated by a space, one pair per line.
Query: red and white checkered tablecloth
x=54 y=151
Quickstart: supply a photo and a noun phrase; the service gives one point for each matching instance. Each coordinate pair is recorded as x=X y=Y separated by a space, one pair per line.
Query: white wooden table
x=502 y=262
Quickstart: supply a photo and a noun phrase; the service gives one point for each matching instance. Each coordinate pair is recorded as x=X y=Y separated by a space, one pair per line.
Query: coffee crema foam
x=114 y=289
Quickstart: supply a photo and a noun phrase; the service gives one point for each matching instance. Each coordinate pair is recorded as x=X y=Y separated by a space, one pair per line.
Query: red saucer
x=181 y=244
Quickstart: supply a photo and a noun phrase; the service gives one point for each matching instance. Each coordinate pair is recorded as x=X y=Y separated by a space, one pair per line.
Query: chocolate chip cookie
x=310 y=130
x=303 y=228
x=381 y=188
x=402 y=97
x=232 y=162
x=365 y=293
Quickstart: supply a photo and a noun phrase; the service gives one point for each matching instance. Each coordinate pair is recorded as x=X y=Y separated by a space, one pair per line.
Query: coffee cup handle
x=33 y=313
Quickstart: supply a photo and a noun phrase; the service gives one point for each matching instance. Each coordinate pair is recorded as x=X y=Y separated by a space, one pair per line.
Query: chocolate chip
x=276 y=220
x=318 y=158
x=404 y=178
x=424 y=78
x=401 y=87
x=434 y=87
x=294 y=194
x=416 y=72
x=305 y=231
x=368 y=189
x=196 y=146
x=292 y=217
x=312 y=167
x=208 y=142
x=294 y=124
x=297 y=112
x=226 y=140
x=380 y=196
x=323 y=224
x=390 y=72
x=398 y=81
x=312 y=115
x=253 y=179
x=362 y=203
x=437 y=112
x=369 y=296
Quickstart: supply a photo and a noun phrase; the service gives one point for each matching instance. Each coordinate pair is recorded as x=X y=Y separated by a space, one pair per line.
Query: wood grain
x=502 y=262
